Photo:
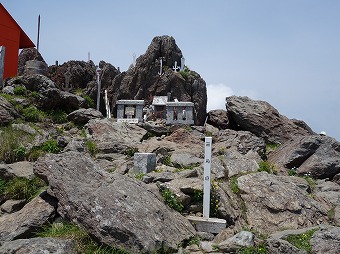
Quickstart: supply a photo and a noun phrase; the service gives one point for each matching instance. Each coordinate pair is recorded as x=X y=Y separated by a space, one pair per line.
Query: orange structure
x=13 y=38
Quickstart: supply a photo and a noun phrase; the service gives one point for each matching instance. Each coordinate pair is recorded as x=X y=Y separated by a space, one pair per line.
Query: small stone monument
x=144 y=162
x=67 y=86
x=130 y=111
x=35 y=67
x=179 y=112
x=182 y=63
x=2 y=63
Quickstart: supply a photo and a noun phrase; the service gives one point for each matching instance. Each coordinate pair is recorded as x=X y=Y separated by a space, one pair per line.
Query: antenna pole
x=38 y=33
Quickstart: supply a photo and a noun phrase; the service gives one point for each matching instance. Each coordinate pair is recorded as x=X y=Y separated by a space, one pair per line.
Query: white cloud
x=217 y=94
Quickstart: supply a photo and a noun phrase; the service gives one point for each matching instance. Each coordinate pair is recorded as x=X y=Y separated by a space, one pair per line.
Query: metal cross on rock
x=67 y=86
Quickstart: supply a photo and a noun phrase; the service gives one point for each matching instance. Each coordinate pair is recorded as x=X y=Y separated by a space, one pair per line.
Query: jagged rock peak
x=162 y=46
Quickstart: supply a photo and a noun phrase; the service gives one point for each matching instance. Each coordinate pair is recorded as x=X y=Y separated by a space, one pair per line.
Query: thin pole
x=38 y=33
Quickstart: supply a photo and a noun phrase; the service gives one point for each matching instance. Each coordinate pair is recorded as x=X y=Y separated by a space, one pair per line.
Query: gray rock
x=113 y=137
x=38 y=245
x=35 y=82
x=242 y=239
x=218 y=118
x=279 y=246
x=263 y=120
x=28 y=220
x=25 y=55
x=82 y=116
x=326 y=240
x=116 y=209
x=52 y=98
x=11 y=206
x=8 y=89
x=275 y=202
x=7 y=111
x=242 y=141
x=185 y=160
x=144 y=162
x=315 y=155
x=24 y=127
x=19 y=169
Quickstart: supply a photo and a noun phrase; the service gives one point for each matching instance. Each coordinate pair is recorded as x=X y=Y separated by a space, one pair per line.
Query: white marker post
x=98 y=71
x=207 y=181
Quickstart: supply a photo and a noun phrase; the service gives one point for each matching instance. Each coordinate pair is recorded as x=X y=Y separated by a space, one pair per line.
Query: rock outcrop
x=277 y=202
x=317 y=156
x=7 y=112
x=25 y=55
x=263 y=120
x=107 y=205
x=143 y=80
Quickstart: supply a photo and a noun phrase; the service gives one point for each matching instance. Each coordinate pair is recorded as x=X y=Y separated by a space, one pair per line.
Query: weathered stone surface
x=242 y=141
x=113 y=137
x=38 y=245
x=7 y=111
x=82 y=116
x=25 y=55
x=81 y=73
x=260 y=118
x=114 y=208
x=279 y=246
x=24 y=223
x=218 y=118
x=326 y=240
x=54 y=98
x=36 y=82
x=21 y=169
x=11 y=206
x=142 y=82
x=144 y=162
x=241 y=239
x=236 y=163
x=316 y=155
x=24 y=127
x=275 y=202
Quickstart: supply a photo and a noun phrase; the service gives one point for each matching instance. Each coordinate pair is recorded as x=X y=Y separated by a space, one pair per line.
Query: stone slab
x=127 y=120
x=210 y=225
x=130 y=102
x=144 y=162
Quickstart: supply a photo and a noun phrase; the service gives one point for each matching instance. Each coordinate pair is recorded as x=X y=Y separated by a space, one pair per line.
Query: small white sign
x=127 y=120
x=207 y=177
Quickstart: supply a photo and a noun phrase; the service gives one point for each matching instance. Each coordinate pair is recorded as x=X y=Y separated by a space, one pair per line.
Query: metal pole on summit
x=38 y=35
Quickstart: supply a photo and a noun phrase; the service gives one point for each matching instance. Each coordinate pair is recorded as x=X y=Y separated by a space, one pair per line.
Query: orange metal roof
x=25 y=41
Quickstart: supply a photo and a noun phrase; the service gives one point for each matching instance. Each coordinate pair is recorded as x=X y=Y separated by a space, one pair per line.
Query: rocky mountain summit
x=69 y=181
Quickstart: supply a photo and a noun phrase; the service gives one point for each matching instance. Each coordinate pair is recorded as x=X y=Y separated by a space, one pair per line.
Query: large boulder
x=316 y=155
x=82 y=116
x=262 y=119
x=219 y=118
x=143 y=81
x=277 y=202
x=35 y=82
x=326 y=240
x=28 y=54
x=28 y=220
x=113 y=137
x=7 y=112
x=38 y=245
x=115 y=209
x=81 y=73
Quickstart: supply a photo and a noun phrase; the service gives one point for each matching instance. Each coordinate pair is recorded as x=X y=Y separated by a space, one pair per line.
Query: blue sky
x=285 y=52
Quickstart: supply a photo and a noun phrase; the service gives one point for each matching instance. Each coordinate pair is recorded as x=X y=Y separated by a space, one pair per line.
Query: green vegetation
x=32 y=114
x=57 y=116
x=301 y=241
x=185 y=73
x=271 y=147
x=129 y=152
x=21 y=188
x=260 y=249
x=49 y=146
x=264 y=166
x=20 y=90
x=139 y=176
x=171 y=200
x=167 y=160
x=292 y=171
x=89 y=101
x=311 y=182
x=84 y=243
x=234 y=185
x=198 y=195
x=91 y=147
x=13 y=144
